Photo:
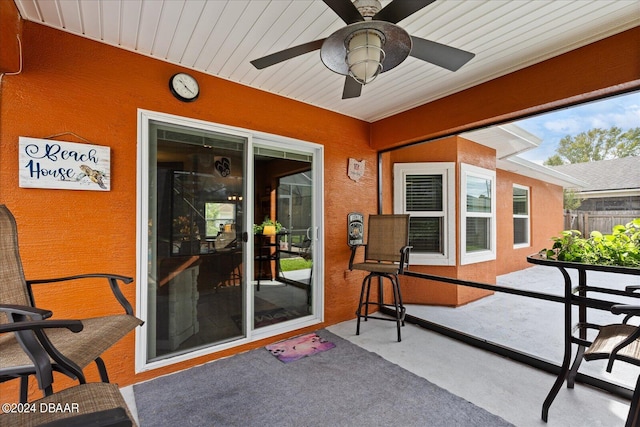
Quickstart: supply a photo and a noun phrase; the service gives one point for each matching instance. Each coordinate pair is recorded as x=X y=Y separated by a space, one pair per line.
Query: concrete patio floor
x=506 y=388
x=500 y=385
x=510 y=389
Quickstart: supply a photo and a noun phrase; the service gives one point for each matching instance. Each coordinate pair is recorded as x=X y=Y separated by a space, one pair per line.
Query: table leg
x=566 y=361
x=582 y=321
x=633 y=419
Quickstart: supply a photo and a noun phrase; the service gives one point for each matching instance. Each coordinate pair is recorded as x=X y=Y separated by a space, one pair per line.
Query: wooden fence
x=588 y=221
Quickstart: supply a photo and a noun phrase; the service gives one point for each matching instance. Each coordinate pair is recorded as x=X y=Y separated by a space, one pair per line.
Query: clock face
x=184 y=87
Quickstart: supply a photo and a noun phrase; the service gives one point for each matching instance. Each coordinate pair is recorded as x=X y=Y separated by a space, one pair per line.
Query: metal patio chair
x=620 y=341
x=70 y=352
x=95 y=404
x=386 y=255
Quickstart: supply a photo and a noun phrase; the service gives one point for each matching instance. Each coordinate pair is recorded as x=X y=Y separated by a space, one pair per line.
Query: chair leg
x=365 y=283
x=571 y=377
x=368 y=298
x=403 y=311
x=397 y=303
x=24 y=388
x=365 y=298
x=633 y=419
x=259 y=274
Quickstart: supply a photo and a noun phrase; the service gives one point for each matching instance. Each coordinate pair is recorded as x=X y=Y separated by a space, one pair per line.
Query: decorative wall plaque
x=356 y=169
x=46 y=163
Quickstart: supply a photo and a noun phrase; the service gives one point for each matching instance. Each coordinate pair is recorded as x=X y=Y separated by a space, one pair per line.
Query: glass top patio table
x=579 y=296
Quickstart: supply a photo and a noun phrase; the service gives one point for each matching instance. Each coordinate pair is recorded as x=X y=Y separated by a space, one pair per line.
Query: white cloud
x=621 y=111
x=564 y=125
x=629 y=118
x=601 y=122
x=605 y=115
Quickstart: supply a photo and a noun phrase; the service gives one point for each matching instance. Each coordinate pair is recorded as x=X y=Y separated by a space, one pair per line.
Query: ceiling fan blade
x=397 y=10
x=283 y=55
x=352 y=88
x=442 y=55
x=345 y=10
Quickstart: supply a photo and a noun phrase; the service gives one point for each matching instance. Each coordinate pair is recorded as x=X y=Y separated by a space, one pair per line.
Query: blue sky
x=622 y=111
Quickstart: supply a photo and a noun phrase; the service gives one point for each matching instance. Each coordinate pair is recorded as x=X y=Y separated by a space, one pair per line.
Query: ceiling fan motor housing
x=397 y=45
x=367 y=8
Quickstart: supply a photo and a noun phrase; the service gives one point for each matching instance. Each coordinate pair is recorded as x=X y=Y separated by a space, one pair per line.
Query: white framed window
x=426 y=191
x=521 y=218
x=477 y=214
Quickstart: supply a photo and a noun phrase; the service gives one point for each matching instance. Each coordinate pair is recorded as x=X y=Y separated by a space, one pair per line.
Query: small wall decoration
x=46 y=163
x=222 y=165
x=356 y=169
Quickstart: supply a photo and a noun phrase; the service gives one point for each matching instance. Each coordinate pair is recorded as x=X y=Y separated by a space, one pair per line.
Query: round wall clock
x=184 y=87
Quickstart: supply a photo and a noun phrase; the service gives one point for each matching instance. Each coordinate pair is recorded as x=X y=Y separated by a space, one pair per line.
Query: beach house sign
x=45 y=163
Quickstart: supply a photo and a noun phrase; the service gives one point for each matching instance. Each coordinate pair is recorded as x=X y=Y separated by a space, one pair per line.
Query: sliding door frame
x=145 y=117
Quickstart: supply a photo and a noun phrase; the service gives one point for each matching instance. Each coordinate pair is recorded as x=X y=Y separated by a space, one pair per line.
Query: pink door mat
x=299 y=347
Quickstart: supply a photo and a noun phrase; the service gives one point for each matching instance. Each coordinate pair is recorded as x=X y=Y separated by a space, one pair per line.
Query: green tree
x=596 y=144
x=571 y=199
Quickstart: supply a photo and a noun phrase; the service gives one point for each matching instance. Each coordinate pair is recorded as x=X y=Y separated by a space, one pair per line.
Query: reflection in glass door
x=196 y=296
x=283 y=236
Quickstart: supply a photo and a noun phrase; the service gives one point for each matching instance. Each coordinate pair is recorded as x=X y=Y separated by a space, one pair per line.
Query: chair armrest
x=25 y=310
x=354 y=248
x=634 y=310
x=31 y=335
x=34 y=342
x=404 y=258
x=74 y=326
x=629 y=310
x=111 y=278
x=19 y=318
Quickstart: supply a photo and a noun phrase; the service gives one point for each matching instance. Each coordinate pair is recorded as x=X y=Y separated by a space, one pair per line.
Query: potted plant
x=269 y=223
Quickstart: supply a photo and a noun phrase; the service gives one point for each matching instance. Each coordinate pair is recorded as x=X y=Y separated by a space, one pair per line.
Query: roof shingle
x=603 y=175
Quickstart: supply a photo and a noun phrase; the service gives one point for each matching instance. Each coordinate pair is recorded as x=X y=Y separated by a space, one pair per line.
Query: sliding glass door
x=196 y=218
x=228 y=231
x=284 y=235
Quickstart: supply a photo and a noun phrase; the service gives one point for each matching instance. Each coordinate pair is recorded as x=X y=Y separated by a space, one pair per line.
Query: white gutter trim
x=555 y=176
x=608 y=193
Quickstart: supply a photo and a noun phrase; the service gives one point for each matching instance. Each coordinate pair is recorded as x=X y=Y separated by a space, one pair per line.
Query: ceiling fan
x=371 y=43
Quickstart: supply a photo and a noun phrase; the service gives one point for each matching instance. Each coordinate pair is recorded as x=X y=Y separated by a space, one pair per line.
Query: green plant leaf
x=621 y=247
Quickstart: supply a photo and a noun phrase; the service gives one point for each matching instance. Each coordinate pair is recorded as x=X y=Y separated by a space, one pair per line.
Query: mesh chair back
x=13 y=288
x=387 y=234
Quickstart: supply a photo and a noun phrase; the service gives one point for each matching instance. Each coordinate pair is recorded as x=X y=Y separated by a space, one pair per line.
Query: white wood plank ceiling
x=221 y=37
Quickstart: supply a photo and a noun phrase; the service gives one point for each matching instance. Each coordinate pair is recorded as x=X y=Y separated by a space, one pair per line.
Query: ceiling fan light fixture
x=365 y=54
x=371 y=43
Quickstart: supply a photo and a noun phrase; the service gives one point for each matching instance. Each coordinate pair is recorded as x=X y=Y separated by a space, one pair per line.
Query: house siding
x=546 y=216
x=545 y=213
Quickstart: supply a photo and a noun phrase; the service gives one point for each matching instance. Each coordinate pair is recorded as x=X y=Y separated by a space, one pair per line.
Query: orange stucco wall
x=9 y=45
x=451 y=149
x=546 y=219
x=70 y=84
